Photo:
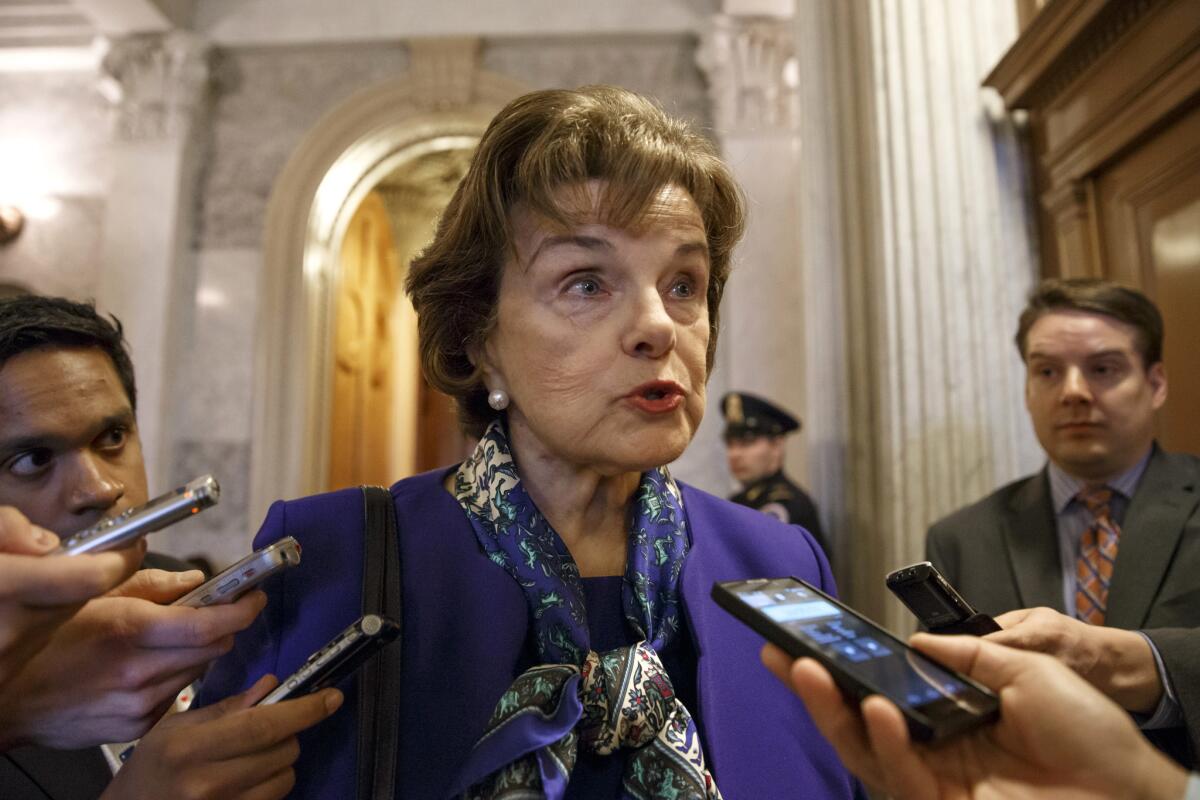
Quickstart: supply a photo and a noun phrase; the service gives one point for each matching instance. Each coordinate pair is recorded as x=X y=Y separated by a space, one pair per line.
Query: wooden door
x=360 y=427
x=1149 y=208
x=440 y=442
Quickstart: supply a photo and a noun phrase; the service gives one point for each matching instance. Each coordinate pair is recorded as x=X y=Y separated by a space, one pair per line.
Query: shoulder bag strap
x=379 y=679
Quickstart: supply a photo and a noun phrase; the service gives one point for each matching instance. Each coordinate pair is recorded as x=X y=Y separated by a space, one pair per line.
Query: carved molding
x=1083 y=55
x=443 y=72
x=1067 y=200
x=155 y=82
x=750 y=63
x=1063 y=41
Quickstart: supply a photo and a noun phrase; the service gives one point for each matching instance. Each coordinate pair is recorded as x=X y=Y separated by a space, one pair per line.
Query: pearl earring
x=498 y=399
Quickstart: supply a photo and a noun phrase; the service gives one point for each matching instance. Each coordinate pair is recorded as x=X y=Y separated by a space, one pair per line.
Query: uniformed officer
x=754 y=444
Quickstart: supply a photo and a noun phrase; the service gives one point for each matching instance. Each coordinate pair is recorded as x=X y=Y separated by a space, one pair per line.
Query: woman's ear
x=481 y=357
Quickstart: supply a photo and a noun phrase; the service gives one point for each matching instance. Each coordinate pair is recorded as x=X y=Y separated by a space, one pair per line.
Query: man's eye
x=684 y=288
x=29 y=464
x=113 y=437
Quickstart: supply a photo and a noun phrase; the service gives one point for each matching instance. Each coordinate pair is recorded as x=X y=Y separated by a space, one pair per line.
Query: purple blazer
x=464 y=641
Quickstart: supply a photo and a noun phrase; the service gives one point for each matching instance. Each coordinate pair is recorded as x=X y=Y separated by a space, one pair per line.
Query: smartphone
x=932 y=599
x=243 y=576
x=123 y=529
x=863 y=658
x=348 y=651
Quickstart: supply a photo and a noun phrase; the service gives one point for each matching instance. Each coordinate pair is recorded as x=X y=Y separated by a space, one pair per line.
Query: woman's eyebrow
x=571 y=240
x=687 y=248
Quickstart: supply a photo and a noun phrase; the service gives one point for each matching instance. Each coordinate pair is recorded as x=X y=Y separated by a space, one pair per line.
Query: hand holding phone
x=198 y=747
x=345 y=653
x=124 y=529
x=1056 y=735
x=40 y=594
x=863 y=658
x=939 y=607
x=112 y=669
x=243 y=576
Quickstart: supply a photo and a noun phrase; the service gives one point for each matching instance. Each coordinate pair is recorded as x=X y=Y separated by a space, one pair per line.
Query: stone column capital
x=751 y=66
x=155 y=83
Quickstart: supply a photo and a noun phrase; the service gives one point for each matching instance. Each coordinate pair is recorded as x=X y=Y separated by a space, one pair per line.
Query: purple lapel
x=759 y=740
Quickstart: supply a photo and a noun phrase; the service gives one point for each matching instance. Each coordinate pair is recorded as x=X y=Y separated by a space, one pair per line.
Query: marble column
x=750 y=64
x=157 y=85
x=917 y=231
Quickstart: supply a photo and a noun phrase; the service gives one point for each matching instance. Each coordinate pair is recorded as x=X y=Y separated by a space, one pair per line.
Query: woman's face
x=601 y=337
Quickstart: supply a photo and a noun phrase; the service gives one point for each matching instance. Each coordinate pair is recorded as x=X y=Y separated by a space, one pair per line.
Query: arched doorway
x=442 y=104
x=385 y=421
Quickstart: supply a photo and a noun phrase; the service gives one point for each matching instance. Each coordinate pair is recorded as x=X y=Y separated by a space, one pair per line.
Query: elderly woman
x=558 y=636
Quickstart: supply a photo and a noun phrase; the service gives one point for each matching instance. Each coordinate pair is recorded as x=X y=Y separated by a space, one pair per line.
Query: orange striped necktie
x=1097 y=555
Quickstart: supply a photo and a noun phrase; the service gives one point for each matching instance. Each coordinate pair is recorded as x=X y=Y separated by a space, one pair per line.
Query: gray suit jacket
x=1002 y=554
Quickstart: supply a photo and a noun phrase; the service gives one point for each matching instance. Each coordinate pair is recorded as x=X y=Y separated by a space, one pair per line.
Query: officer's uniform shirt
x=779 y=497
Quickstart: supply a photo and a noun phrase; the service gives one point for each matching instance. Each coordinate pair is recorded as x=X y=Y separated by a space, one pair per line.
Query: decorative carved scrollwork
x=751 y=68
x=155 y=82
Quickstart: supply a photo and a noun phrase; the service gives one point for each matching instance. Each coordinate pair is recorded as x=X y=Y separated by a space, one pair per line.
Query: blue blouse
x=598 y=776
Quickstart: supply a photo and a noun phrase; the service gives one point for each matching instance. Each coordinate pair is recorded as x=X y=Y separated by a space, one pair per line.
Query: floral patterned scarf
x=578 y=697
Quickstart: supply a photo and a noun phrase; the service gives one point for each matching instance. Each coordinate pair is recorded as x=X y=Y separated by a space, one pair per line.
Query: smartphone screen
x=863 y=658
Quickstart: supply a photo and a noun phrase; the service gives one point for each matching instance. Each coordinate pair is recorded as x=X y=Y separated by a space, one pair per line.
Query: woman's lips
x=656 y=397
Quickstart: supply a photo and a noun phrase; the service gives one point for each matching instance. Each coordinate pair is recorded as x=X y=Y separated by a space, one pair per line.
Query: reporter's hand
x=110 y=672
x=38 y=593
x=1057 y=737
x=1119 y=663
x=225 y=751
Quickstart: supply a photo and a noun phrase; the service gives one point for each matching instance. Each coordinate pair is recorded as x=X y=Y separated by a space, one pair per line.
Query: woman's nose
x=652 y=330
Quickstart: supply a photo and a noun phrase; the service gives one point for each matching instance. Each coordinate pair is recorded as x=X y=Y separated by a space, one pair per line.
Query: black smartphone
x=863 y=658
x=123 y=529
x=931 y=598
x=348 y=651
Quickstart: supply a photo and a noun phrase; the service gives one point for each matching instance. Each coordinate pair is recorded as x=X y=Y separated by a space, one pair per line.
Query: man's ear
x=1157 y=377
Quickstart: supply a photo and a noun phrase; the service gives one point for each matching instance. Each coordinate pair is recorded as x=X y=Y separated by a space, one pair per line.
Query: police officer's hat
x=748 y=416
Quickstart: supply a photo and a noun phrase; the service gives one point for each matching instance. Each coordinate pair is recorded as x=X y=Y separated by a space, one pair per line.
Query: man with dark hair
x=70 y=457
x=1107 y=536
x=755 y=431
x=68 y=436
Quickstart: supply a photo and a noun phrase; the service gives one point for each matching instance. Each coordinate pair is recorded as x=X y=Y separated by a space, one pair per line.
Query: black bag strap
x=379 y=679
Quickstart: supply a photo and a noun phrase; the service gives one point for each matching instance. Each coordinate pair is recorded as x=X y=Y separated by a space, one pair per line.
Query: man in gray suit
x=1109 y=532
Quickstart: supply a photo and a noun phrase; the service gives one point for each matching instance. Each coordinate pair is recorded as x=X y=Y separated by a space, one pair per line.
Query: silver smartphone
x=348 y=651
x=243 y=576
x=123 y=529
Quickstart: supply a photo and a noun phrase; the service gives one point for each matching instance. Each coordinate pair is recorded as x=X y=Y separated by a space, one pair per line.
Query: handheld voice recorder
x=125 y=528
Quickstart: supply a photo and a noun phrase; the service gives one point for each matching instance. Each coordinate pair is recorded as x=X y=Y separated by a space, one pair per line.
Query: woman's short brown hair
x=537 y=145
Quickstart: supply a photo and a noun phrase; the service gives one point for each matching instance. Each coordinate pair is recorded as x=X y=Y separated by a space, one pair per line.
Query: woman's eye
x=588 y=287
x=29 y=464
